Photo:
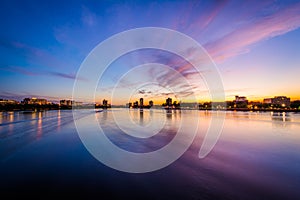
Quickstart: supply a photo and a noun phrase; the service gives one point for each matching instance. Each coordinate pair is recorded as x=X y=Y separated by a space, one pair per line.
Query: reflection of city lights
x=11 y=119
x=58 y=120
x=39 y=127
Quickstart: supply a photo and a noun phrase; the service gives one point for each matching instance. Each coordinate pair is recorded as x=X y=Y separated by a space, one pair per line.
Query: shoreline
x=236 y=110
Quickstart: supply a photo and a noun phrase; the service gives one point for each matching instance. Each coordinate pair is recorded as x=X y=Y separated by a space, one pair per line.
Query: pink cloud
x=240 y=40
x=206 y=19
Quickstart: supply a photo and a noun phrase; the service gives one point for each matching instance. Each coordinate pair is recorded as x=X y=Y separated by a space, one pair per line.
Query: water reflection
x=240 y=115
x=169 y=114
x=33 y=116
x=280 y=116
x=58 y=120
x=250 y=155
x=280 y=120
x=40 y=125
x=1 y=116
x=141 y=117
x=11 y=119
x=173 y=115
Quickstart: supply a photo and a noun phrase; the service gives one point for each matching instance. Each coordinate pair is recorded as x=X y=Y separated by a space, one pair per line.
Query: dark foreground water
x=256 y=157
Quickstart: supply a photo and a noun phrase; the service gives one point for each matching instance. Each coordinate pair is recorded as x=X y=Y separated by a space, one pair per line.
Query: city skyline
x=167 y=101
x=255 y=46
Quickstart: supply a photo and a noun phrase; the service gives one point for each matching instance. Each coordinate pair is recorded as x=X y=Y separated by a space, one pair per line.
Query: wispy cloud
x=69 y=76
x=22 y=70
x=261 y=28
x=36 y=57
x=64 y=75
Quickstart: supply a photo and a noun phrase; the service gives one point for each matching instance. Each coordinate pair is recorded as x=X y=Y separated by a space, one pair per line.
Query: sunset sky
x=255 y=44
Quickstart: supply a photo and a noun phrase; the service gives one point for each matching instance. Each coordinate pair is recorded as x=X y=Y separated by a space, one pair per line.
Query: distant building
x=141 y=102
x=282 y=101
x=240 y=102
x=278 y=101
x=136 y=104
x=35 y=101
x=141 y=105
x=65 y=102
x=104 y=102
x=151 y=103
x=6 y=101
x=169 y=102
x=240 y=99
x=295 y=104
x=69 y=103
x=170 y=105
x=267 y=101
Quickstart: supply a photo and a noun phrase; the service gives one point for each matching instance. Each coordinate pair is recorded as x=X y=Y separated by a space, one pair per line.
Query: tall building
x=169 y=102
x=104 y=102
x=151 y=103
x=6 y=101
x=141 y=102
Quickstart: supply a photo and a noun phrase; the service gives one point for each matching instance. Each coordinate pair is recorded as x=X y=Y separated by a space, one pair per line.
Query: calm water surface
x=256 y=157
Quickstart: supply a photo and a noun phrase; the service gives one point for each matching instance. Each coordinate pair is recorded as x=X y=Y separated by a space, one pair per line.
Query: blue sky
x=255 y=44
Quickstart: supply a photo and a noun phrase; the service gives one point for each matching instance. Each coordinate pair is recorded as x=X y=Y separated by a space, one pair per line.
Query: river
x=257 y=155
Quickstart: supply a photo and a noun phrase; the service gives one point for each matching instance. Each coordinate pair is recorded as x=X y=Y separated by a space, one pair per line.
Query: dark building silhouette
x=66 y=102
x=141 y=102
x=136 y=104
x=104 y=102
x=170 y=105
x=168 y=102
x=151 y=103
x=141 y=105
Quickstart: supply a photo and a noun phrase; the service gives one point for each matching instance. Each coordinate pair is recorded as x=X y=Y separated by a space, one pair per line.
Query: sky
x=254 y=44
